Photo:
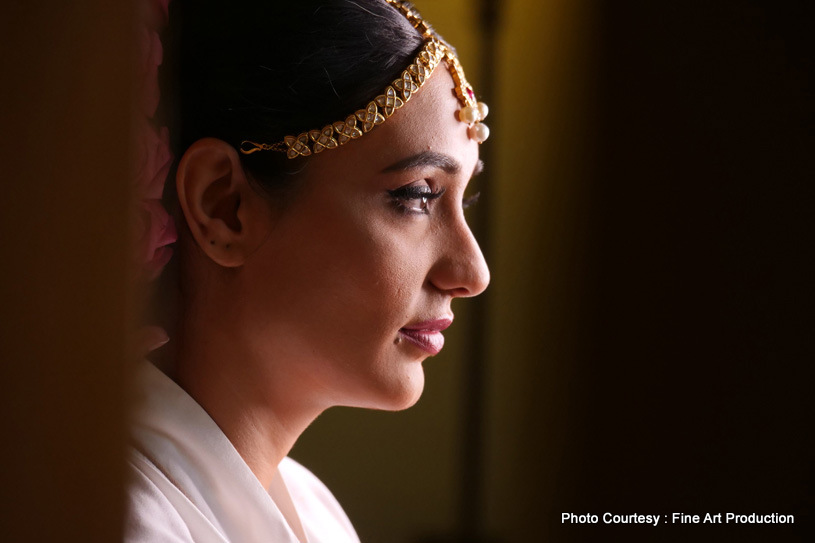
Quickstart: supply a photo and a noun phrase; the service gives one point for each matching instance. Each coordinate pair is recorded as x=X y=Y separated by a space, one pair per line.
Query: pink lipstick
x=427 y=335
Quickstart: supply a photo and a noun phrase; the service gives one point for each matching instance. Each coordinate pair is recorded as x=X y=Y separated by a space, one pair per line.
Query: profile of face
x=342 y=293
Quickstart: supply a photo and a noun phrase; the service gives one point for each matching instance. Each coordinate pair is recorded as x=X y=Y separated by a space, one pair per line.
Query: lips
x=427 y=335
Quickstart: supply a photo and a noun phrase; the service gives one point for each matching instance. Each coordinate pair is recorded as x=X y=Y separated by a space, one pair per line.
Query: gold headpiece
x=392 y=98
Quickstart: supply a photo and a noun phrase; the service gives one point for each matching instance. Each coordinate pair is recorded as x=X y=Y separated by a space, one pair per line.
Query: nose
x=460 y=268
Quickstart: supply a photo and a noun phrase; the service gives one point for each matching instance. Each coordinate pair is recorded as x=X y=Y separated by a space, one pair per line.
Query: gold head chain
x=392 y=98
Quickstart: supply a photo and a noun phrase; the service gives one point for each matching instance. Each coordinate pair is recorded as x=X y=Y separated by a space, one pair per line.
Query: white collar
x=181 y=440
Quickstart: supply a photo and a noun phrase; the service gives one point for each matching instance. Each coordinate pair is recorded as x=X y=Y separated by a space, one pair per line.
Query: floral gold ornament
x=370 y=117
x=419 y=72
x=347 y=130
x=323 y=139
x=406 y=85
x=389 y=102
x=396 y=95
x=297 y=146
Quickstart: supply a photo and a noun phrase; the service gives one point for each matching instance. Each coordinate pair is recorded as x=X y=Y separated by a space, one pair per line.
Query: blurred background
x=646 y=344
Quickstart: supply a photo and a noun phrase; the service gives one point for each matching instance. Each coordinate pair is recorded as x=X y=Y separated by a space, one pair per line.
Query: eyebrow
x=446 y=163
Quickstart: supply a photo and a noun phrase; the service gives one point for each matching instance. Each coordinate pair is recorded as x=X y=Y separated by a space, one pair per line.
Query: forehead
x=427 y=122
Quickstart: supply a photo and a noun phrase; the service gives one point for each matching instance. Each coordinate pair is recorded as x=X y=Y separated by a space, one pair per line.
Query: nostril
x=462 y=275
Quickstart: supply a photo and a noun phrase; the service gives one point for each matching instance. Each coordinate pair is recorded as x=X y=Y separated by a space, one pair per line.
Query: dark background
x=696 y=358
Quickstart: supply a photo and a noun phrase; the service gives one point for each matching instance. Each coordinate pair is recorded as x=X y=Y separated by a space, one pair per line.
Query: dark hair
x=260 y=70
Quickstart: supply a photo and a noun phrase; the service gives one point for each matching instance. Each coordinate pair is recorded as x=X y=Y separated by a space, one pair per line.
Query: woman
x=325 y=150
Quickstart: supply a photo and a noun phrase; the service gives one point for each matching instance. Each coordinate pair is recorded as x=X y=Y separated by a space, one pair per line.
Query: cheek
x=373 y=268
x=352 y=274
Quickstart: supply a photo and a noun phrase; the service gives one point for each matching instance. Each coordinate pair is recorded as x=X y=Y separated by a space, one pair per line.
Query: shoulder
x=297 y=475
x=306 y=490
x=319 y=510
x=158 y=510
x=150 y=514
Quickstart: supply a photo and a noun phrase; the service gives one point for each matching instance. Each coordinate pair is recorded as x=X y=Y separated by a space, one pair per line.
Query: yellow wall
x=543 y=154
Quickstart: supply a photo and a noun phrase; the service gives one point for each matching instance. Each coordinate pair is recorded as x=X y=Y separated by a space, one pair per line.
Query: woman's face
x=350 y=292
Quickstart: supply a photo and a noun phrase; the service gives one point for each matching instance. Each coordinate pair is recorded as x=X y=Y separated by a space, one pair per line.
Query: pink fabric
x=150 y=56
x=155 y=231
x=163 y=6
x=153 y=161
x=154 y=228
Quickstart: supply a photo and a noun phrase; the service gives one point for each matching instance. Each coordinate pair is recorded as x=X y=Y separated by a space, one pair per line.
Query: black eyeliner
x=403 y=196
x=412 y=192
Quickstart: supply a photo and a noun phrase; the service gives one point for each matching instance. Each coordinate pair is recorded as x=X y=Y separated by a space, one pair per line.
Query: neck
x=256 y=403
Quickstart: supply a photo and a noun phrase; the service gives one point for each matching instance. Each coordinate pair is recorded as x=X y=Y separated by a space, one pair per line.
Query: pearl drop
x=479 y=132
x=468 y=114
x=483 y=110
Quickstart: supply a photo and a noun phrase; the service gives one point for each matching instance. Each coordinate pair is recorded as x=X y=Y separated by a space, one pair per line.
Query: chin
x=397 y=396
x=404 y=401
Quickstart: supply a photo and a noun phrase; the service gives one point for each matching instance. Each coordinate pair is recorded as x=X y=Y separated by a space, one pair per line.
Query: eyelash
x=471 y=201
x=404 y=195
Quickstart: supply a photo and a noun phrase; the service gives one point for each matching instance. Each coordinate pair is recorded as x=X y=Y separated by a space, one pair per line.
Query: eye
x=414 y=198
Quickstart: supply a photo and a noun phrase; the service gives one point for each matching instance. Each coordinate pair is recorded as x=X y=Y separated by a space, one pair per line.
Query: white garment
x=189 y=484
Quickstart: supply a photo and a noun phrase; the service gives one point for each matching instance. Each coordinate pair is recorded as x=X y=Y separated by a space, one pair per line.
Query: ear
x=226 y=216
